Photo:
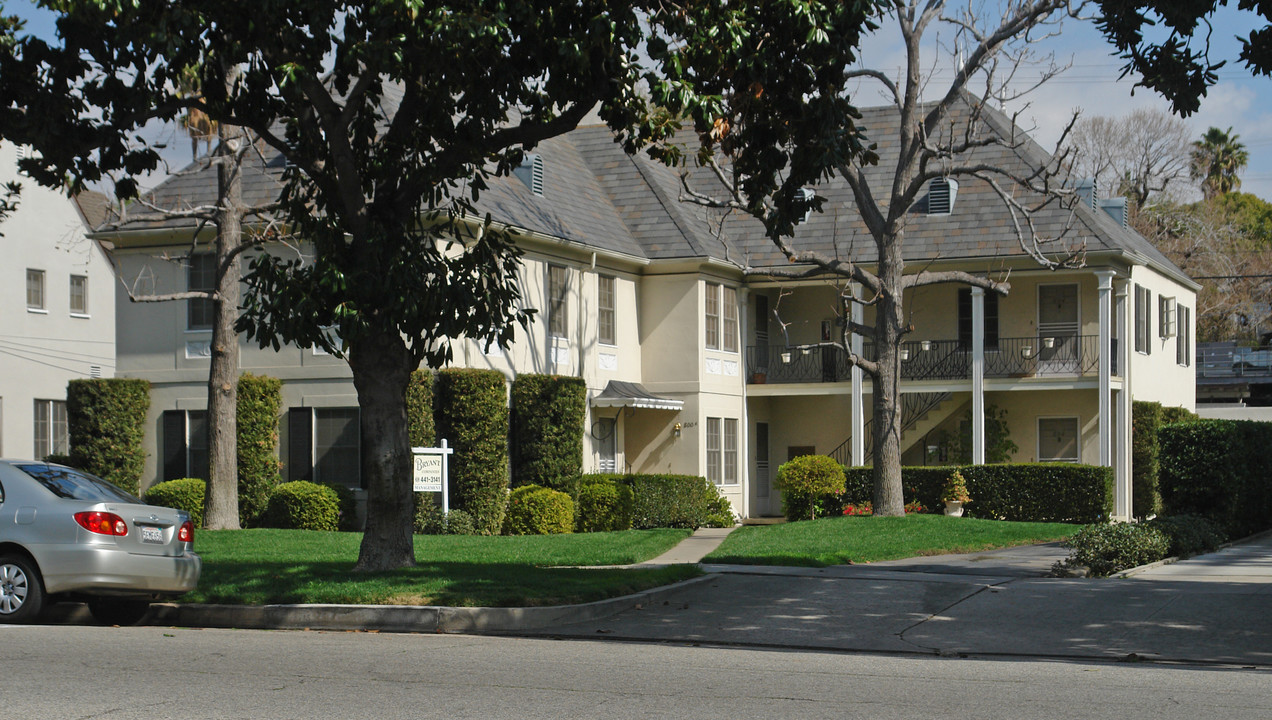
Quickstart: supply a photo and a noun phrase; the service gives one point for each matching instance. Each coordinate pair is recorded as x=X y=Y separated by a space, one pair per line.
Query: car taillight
x=186 y=533
x=102 y=523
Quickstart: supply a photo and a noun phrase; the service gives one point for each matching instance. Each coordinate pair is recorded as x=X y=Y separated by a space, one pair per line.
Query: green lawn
x=838 y=540
x=256 y=567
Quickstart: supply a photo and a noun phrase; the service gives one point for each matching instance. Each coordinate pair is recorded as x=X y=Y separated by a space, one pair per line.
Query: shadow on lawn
x=452 y=584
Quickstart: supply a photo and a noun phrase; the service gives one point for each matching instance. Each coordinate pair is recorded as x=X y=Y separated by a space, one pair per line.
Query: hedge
x=106 y=420
x=679 y=501
x=1146 y=419
x=1027 y=492
x=182 y=494
x=303 y=505
x=471 y=412
x=260 y=402
x=1218 y=469
x=547 y=429
x=535 y=510
x=1110 y=548
x=419 y=409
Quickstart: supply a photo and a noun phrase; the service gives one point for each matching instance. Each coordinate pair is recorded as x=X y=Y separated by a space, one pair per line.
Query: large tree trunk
x=221 y=510
x=889 y=327
x=382 y=366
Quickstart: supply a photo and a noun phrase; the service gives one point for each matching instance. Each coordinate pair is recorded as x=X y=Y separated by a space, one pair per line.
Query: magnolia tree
x=392 y=116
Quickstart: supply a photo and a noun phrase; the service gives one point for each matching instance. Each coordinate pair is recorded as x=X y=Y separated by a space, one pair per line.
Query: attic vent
x=804 y=199
x=941 y=195
x=1089 y=193
x=94 y=371
x=24 y=151
x=531 y=172
x=1116 y=208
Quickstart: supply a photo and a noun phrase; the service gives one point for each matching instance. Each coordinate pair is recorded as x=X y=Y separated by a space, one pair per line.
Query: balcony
x=1062 y=356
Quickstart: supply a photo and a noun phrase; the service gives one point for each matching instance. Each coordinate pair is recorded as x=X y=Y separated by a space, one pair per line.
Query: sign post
x=432 y=471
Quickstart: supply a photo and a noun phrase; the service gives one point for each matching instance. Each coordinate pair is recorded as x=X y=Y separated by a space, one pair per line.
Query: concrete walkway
x=692 y=549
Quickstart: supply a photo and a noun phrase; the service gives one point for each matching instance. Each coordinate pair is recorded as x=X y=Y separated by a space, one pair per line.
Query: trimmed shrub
x=471 y=412
x=1146 y=419
x=547 y=429
x=106 y=420
x=1218 y=469
x=602 y=505
x=680 y=501
x=1108 y=549
x=459 y=522
x=303 y=505
x=535 y=510
x=347 y=521
x=260 y=402
x=419 y=409
x=1172 y=415
x=804 y=480
x=1189 y=534
x=430 y=520
x=182 y=494
x=720 y=514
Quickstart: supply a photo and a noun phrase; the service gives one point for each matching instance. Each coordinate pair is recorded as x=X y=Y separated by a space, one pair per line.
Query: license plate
x=151 y=535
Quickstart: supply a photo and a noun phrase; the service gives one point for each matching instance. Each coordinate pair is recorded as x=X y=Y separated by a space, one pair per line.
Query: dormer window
x=804 y=199
x=530 y=172
x=941 y=195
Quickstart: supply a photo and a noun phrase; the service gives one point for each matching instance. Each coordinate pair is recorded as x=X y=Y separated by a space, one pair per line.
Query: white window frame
x=1077 y=438
x=196 y=282
x=711 y=315
x=36 y=297
x=607 y=310
x=79 y=295
x=729 y=319
x=721 y=446
x=49 y=428
x=1143 y=320
x=1166 y=316
x=1183 y=339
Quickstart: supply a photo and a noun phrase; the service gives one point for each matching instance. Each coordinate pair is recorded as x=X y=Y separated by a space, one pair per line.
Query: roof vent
x=1089 y=192
x=531 y=172
x=941 y=195
x=1116 y=208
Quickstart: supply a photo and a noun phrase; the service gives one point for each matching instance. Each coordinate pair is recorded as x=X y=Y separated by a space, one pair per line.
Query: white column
x=978 y=376
x=744 y=441
x=857 y=407
x=1105 y=278
x=1122 y=468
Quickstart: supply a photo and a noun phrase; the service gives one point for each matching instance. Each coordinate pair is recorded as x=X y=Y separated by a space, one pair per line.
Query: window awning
x=633 y=395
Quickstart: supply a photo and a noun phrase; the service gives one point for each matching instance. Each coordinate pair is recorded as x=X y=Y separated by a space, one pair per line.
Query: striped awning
x=633 y=395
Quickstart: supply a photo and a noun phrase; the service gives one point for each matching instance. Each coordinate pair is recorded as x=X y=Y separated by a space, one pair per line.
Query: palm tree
x=1217 y=158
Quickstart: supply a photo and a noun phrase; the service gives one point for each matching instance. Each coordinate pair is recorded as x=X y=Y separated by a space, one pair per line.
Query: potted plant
x=954 y=495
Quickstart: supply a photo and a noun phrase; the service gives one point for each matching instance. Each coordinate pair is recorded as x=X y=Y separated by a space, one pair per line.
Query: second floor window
x=1183 y=340
x=965 y=319
x=79 y=295
x=558 y=301
x=606 y=330
x=200 y=277
x=1143 y=319
x=35 y=289
x=721 y=317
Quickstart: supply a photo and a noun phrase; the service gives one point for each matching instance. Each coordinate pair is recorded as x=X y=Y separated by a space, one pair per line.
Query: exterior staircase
x=920 y=414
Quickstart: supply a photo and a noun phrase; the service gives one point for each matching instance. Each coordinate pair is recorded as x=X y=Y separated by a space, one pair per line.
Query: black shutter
x=174 y=444
x=300 y=440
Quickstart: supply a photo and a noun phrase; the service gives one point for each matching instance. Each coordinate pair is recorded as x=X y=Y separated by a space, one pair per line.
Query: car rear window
x=75 y=485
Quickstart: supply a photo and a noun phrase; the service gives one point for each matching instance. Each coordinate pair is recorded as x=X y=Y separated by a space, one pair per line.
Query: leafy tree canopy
x=1179 y=67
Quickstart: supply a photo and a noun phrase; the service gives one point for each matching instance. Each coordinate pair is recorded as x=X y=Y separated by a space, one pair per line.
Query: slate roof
x=598 y=196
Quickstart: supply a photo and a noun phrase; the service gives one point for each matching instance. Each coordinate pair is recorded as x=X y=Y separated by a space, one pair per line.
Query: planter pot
x=954 y=508
x=759 y=378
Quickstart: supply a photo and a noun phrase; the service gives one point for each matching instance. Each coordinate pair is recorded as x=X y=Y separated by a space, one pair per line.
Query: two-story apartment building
x=57 y=312
x=697 y=358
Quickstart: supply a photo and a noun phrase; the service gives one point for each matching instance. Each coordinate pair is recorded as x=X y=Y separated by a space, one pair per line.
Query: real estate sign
x=430 y=471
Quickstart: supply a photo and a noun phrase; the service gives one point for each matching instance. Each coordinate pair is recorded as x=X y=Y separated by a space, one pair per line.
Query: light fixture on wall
x=675 y=429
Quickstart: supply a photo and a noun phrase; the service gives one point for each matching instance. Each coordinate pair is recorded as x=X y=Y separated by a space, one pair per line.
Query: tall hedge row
x=1034 y=492
x=548 y=412
x=260 y=403
x=106 y=420
x=471 y=412
x=1219 y=469
x=419 y=409
x=1146 y=419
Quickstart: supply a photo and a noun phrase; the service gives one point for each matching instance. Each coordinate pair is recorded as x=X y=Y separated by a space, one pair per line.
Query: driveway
x=1210 y=609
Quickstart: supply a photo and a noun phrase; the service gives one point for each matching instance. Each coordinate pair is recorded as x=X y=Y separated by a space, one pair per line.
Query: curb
x=403 y=618
x=1172 y=560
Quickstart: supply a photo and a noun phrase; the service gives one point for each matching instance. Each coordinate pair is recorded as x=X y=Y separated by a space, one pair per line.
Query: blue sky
x=1240 y=100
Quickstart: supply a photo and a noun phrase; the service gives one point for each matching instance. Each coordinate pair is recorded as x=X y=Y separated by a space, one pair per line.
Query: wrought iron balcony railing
x=1062 y=355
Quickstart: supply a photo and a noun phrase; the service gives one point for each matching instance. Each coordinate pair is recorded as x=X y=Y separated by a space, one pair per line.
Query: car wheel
x=118 y=611
x=21 y=590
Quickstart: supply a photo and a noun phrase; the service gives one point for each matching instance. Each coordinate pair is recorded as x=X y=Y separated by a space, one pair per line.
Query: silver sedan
x=67 y=535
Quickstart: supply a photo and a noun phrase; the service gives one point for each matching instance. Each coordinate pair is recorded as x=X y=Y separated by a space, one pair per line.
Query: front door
x=763 y=475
